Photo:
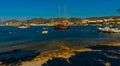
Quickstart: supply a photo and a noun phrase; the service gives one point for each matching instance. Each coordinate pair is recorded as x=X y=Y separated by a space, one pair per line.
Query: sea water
x=10 y=36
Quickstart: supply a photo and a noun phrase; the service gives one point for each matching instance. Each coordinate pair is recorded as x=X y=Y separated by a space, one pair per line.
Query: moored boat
x=60 y=26
x=109 y=30
x=23 y=26
x=44 y=32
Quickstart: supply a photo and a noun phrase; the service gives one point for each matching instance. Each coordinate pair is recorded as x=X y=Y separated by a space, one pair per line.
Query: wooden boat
x=60 y=26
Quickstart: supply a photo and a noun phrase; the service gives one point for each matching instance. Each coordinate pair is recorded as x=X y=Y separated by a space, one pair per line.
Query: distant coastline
x=73 y=21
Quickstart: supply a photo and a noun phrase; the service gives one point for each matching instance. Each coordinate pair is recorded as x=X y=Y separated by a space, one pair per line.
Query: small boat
x=60 y=26
x=109 y=30
x=44 y=32
x=22 y=27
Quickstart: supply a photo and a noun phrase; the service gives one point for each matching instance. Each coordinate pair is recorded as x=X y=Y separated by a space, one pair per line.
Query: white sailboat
x=23 y=25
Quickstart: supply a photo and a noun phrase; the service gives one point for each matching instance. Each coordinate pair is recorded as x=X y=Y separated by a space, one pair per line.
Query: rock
x=1 y=62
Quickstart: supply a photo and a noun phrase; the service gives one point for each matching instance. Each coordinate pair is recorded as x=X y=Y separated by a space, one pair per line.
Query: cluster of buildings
x=101 y=21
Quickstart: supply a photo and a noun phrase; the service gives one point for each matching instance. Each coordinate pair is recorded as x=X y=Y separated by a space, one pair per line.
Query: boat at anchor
x=23 y=26
x=60 y=26
x=109 y=30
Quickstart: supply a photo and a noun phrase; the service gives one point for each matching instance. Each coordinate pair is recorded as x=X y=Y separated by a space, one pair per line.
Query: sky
x=58 y=8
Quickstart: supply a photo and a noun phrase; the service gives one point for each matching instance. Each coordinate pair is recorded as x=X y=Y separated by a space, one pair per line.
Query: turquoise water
x=33 y=35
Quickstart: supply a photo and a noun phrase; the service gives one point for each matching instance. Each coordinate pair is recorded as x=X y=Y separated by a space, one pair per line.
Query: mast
x=59 y=14
x=65 y=11
x=65 y=16
x=1 y=20
x=25 y=19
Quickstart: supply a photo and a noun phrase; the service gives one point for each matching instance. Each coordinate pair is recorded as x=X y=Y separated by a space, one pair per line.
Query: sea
x=14 y=37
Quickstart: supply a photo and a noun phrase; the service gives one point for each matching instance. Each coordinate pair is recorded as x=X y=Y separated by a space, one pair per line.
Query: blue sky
x=50 y=8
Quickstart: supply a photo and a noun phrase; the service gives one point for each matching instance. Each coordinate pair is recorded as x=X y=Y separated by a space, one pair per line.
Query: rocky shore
x=63 y=52
x=103 y=55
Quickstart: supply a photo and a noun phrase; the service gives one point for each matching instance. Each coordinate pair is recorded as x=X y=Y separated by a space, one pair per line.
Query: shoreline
x=62 y=51
x=43 y=58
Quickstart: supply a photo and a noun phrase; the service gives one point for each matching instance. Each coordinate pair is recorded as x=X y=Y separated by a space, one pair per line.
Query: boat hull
x=108 y=30
x=61 y=27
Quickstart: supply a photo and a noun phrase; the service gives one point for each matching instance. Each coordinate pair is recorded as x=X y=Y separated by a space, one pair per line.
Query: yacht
x=109 y=30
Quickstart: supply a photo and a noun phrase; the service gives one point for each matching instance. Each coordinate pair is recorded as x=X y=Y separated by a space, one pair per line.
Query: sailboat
x=23 y=25
x=62 y=25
